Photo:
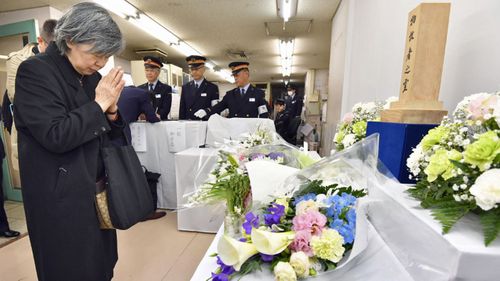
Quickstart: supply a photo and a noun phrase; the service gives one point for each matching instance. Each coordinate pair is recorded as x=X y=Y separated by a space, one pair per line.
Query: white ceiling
x=215 y=26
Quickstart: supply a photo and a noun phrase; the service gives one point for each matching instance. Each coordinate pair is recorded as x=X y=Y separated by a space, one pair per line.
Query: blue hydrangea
x=309 y=196
x=342 y=215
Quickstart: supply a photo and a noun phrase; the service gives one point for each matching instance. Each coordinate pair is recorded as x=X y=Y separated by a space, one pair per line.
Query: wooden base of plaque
x=413 y=116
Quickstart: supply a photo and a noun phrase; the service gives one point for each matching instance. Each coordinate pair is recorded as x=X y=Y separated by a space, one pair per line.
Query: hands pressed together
x=108 y=92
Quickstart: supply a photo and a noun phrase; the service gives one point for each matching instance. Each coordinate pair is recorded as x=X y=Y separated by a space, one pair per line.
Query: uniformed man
x=244 y=101
x=198 y=95
x=160 y=94
x=282 y=119
x=294 y=103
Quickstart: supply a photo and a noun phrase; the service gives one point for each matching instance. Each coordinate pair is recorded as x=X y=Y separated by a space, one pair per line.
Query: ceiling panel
x=217 y=28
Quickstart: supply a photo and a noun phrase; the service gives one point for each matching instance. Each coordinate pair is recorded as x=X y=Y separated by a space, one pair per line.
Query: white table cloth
x=156 y=145
x=220 y=128
x=376 y=263
x=416 y=239
x=192 y=167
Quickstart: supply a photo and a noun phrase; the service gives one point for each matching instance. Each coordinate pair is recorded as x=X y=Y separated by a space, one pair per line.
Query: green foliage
x=491 y=225
x=327 y=265
x=252 y=264
x=316 y=188
x=449 y=212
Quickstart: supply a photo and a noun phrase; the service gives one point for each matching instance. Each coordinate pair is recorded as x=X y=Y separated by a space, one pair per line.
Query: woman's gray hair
x=89 y=23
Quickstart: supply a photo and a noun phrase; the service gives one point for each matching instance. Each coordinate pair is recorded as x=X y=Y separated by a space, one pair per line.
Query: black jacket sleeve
x=148 y=110
x=182 y=105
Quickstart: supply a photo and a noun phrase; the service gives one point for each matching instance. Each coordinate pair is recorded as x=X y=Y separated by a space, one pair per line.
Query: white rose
x=300 y=263
x=349 y=140
x=305 y=206
x=283 y=271
x=486 y=189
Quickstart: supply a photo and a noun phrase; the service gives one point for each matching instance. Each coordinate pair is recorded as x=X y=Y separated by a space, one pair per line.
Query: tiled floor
x=17 y=221
x=149 y=251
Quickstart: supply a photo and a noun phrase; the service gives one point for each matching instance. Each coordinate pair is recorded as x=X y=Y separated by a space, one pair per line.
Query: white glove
x=200 y=113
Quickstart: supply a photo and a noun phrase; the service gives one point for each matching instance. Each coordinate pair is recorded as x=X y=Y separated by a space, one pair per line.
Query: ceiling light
x=4 y=57
x=286 y=9
x=186 y=50
x=286 y=56
x=127 y=11
x=154 y=29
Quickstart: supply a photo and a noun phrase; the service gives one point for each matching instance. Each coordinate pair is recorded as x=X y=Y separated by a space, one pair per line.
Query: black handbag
x=125 y=199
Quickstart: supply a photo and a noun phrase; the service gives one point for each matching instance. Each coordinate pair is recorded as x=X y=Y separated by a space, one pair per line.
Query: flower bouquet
x=229 y=182
x=457 y=165
x=311 y=226
x=352 y=128
x=298 y=236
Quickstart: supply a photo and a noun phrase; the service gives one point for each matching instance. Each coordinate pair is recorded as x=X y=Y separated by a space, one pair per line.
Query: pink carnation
x=301 y=242
x=312 y=220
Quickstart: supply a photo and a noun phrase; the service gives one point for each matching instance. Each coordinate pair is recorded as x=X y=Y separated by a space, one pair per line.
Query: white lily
x=271 y=243
x=233 y=252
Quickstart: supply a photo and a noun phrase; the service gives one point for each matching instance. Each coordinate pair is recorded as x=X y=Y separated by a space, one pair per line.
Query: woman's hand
x=109 y=89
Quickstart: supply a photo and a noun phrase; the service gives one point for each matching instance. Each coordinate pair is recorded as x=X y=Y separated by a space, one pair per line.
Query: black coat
x=161 y=98
x=294 y=105
x=251 y=105
x=59 y=125
x=193 y=99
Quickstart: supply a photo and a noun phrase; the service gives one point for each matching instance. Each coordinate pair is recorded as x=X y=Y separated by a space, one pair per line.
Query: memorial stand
x=418 y=108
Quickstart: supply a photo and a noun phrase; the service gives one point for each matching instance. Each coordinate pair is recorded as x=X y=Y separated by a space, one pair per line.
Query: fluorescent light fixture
x=119 y=7
x=4 y=57
x=286 y=56
x=210 y=65
x=127 y=11
x=185 y=49
x=286 y=8
x=154 y=29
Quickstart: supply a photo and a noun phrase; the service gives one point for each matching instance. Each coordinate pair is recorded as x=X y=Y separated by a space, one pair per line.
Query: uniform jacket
x=59 y=125
x=251 y=105
x=161 y=98
x=132 y=103
x=294 y=105
x=281 y=122
x=193 y=99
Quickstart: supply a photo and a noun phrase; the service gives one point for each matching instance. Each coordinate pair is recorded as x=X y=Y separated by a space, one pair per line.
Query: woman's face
x=85 y=62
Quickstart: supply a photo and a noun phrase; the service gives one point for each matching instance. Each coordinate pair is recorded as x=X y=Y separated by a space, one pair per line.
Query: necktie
x=196 y=85
x=151 y=87
x=242 y=91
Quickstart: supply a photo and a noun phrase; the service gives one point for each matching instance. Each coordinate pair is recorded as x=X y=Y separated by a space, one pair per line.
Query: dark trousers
x=4 y=224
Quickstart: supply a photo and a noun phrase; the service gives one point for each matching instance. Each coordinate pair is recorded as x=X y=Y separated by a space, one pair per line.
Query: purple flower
x=255 y=156
x=220 y=277
x=266 y=258
x=276 y=211
x=276 y=155
x=225 y=269
x=251 y=220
